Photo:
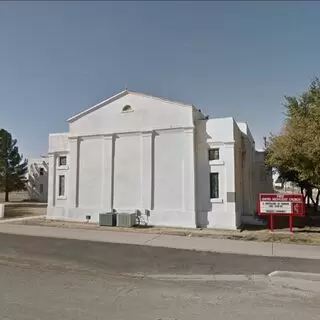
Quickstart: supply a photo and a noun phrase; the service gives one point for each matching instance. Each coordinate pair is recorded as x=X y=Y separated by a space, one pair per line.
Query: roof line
x=163 y=99
x=119 y=95
x=98 y=105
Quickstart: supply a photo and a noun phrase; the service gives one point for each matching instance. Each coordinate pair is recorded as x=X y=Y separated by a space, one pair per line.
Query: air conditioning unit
x=108 y=219
x=126 y=220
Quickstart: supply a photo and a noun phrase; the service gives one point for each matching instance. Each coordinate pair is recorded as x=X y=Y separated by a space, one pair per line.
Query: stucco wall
x=119 y=164
x=174 y=179
x=59 y=145
x=216 y=213
x=168 y=171
x=148 y=113
x=58 y=142
x=248 y=165
x=90 y=168
x=127 y=173
x=239 y=171
x=158 y=177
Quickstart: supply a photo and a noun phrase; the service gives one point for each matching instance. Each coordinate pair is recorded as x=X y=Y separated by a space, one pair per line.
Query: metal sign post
x=276 y=204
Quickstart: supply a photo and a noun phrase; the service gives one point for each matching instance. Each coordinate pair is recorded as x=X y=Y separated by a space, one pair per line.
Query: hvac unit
x=126 y=220
x=108 y=219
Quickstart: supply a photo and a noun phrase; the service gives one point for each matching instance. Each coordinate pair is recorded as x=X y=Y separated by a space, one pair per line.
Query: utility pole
x=265 y=142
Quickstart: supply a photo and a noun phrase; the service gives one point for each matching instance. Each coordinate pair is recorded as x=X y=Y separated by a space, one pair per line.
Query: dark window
x=214 y=185
x=41 y=188
x=41 y=171
x=214 y=154
x=126 y=108
x=62 y=161
x=61 y=186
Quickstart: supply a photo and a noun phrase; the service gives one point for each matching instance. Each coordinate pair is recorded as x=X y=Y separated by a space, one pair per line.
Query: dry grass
x=302 y=236
x=20 y=206
x=283 y=237
x=23 y=210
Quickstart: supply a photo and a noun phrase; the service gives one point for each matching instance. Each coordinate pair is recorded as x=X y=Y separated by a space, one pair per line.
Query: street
x=43 y=278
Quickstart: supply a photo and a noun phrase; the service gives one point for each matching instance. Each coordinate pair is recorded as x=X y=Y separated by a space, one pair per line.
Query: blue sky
x=228 y=58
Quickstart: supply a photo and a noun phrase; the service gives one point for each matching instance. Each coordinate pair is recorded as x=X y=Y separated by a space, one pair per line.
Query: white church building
x=166 y=159
x=37 y=185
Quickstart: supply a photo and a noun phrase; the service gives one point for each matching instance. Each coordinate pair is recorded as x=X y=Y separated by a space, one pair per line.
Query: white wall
x=90 y=168
x=220 y=130
x=244 y=128
x=58 y=142
x=237 y=168
x=148 y=114
x=238 y=156
x=245 y=165
x=127 y=173
x=168 y=171
x=154 y=158
x=251 y=171
x=151 y=171
x=216 y=213
x=174 y=179
x=120 y=164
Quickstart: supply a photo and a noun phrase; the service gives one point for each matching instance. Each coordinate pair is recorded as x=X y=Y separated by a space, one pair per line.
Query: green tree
x=295 y=152
x=13 y=167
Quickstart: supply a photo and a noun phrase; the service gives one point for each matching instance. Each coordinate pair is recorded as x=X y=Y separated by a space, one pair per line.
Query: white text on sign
x=276 y=207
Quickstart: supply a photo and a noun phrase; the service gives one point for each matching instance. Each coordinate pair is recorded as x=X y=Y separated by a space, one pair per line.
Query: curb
x=273 y=277
x=249 y=248
x=202 y=277
x=8 y=220
x=295 y=275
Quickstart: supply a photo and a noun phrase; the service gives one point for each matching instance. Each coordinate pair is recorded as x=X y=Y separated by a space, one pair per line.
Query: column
x=51 y=180
x=146 y=170
x=233 y=188
x=230 y=166
x=73 y=174
x=188 y=174
x=108 y=173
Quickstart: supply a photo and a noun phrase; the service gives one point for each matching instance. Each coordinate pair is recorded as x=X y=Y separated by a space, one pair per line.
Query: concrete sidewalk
x=21 y=219
x=169 y=241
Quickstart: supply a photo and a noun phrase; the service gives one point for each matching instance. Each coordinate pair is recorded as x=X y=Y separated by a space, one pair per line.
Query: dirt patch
x=284 y=237
x=308 y=235
x=23 y=210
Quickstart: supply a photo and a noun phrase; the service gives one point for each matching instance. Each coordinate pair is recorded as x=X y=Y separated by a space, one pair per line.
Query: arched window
x=127 y=108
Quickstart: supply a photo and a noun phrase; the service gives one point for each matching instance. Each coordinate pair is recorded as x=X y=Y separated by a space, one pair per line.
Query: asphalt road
x=121 y=258
x=52 y=279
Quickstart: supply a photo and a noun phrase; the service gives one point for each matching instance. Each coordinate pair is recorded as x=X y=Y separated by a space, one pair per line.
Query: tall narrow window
x=214 y=185
x=62 y=161
x=41 y=171
x=41 y=188
x=61 y=186
x=214 y=154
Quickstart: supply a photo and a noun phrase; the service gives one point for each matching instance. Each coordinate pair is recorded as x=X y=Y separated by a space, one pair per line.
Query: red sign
x=277 y=204
x=281 y=204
